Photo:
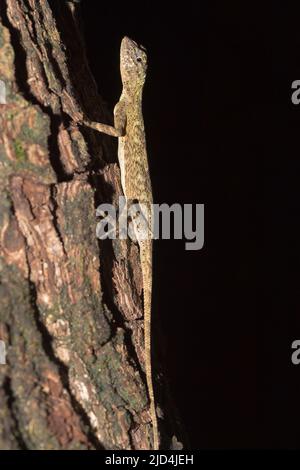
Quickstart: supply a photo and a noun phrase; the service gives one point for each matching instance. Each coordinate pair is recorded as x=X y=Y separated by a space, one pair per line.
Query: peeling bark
x=70 y=307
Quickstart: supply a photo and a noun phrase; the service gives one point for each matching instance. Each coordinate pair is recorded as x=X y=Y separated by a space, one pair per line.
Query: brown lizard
x=135 y=178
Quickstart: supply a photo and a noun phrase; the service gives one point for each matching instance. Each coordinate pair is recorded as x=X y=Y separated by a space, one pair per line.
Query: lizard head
x=133 y=60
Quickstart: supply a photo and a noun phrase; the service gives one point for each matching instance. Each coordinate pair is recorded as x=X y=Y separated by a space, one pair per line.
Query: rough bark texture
x=70 y=307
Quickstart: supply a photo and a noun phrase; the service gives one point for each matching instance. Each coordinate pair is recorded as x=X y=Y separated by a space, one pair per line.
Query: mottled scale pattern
x=135 y=177
x=137 y=184
x=137 y=187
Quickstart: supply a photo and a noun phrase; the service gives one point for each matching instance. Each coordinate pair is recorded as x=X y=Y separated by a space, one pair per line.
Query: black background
x=221 y=130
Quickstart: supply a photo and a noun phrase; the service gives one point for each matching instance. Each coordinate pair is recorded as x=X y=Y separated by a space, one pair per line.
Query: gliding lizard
x=135 y=178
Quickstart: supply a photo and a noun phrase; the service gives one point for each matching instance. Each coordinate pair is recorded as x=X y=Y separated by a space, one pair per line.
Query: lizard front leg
x=119 y=127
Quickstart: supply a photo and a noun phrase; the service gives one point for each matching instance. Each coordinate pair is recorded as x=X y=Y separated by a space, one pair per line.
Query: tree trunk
x=70 y=307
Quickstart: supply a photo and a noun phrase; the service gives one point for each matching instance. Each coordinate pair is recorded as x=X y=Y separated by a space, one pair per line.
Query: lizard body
x=135 y=178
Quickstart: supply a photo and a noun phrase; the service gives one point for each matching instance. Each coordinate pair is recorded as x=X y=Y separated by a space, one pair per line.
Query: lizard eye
x=139 y=59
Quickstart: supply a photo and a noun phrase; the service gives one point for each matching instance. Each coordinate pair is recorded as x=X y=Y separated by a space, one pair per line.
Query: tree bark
x=70 y=307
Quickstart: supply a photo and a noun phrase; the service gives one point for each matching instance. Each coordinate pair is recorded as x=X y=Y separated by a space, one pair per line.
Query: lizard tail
x=146 y=259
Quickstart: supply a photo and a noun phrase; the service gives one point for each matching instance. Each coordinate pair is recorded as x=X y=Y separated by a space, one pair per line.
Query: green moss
x=5 y=206
x=113 y=385
x=2 y=153
x=37 y=134
x=1 y=36
x=10 y=115
x=19 y=151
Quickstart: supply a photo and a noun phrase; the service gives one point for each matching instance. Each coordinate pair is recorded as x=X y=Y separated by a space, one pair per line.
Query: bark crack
x=53 y=193
x=62 y=369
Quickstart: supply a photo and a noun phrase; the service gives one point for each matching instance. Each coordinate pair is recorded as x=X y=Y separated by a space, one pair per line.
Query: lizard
x=135 y=179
